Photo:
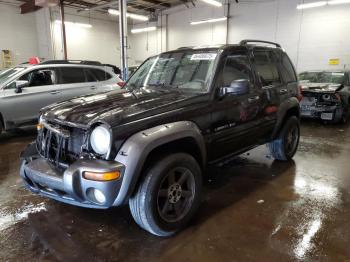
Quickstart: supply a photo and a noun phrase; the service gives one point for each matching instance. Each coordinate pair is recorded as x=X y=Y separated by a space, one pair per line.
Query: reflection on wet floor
x=253 y=209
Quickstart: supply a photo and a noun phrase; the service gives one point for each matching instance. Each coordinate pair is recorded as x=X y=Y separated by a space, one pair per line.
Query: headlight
x=326 y=97
x=100 y=140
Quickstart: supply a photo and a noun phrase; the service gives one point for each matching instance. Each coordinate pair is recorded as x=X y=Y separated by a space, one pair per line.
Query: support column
x=64 y=40
x=123 y=35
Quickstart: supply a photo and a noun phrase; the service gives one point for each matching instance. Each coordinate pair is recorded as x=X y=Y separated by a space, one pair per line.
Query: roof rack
x=245 y=42
x=83 y=62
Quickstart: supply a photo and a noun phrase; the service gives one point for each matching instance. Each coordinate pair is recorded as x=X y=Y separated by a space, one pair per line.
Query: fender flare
x=284 y=107
x=136 y=149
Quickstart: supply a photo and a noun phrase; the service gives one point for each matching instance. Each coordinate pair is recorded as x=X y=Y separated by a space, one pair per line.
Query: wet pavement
x=253 y=209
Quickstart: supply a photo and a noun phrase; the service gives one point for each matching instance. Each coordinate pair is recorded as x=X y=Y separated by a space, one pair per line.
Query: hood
x=116 y=107
x=320 y=87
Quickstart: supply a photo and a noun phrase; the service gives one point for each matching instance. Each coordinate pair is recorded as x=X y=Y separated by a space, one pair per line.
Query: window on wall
x=266 y=67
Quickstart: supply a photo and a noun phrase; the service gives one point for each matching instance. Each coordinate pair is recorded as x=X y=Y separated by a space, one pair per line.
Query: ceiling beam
x=140 y=7
x=157 y=2
x=28 y=7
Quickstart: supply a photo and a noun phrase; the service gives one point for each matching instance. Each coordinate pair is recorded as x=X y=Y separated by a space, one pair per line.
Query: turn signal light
x=107 y=176
x=39 y=126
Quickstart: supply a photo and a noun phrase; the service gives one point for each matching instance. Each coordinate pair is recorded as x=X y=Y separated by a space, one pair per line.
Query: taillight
x=121 y=84
x=337 y=96
x=300 y=93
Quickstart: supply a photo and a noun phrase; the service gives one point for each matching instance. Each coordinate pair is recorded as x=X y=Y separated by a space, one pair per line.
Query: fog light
x=99 y=196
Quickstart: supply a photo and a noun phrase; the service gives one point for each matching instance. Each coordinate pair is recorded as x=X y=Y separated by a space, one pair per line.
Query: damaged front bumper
x=70 y=186
x=324 y=112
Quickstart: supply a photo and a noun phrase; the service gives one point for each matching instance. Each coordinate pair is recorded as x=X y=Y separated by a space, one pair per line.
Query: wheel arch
x=287 y=109
x=140 y=149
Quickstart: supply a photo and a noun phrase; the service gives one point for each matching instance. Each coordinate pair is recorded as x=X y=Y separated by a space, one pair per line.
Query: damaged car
x=326 y=95
x=149 y=143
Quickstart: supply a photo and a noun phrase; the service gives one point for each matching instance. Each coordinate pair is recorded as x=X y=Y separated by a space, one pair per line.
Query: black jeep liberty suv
x=149 y=143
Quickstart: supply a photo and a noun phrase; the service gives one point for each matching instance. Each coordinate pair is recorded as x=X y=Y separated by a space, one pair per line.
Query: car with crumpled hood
x=326 y=95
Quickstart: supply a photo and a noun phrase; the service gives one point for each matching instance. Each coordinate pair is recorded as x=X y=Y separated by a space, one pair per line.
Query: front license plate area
x=327 y=116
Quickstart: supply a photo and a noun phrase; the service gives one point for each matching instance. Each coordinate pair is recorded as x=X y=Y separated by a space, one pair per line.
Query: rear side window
x=71 y=75
x=101 y=75
x=90 y=77
x=266 y=68
x=287 y=71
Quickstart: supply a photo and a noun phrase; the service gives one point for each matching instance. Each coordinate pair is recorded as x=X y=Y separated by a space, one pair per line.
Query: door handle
x=93 y=87
x=253 y=99
x=55 y=92
x=283 y=91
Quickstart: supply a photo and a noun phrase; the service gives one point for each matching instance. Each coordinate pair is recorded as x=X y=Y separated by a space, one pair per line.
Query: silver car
x=25 y=89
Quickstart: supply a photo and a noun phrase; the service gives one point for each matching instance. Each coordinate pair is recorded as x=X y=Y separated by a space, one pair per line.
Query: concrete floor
x=254 y=209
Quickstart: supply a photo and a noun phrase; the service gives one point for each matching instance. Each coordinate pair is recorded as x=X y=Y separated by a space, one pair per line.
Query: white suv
x=25 y=89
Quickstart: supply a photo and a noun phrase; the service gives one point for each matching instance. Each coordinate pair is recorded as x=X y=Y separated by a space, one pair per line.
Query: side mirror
x=237 y=87
x=20 y=84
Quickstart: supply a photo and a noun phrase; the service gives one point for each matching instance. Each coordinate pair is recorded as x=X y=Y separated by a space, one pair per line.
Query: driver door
x=22 y=108
x=235 y=117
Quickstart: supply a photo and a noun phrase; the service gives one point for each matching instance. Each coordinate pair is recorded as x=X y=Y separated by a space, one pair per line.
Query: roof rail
x=245 y=42
x=83 y=62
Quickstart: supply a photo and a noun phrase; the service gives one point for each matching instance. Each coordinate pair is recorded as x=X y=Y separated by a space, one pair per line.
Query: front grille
x=58 y=149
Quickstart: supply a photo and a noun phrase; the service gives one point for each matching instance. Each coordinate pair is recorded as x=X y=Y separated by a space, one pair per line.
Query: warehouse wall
x=311 y=37
x=18 y=33
x=100 y=42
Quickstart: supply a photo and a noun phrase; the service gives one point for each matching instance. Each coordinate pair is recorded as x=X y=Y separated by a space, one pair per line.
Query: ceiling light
x=74 y=24
x=212 y=2
x=141 y=30
x=312 y=5
x=338 y=2
x=132 y=16
x=214 y=20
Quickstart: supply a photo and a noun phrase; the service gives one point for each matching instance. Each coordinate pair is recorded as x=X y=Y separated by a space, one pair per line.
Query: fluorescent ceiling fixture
x=212 y=2
x=214 y=20
x=141 y=30
x=74 y=24
x=338 y=2
x=312 y=5
x=132 y=16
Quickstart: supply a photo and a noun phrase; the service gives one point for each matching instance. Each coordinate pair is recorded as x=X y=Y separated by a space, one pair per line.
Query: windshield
x=7 y=74
x=323 y=77
x=186 y=70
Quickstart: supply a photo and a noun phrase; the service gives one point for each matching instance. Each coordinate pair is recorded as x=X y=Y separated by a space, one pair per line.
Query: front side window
x=266 y=68
x=185 y=70
x=41 y=77
x=72 y=75
x=236 y=67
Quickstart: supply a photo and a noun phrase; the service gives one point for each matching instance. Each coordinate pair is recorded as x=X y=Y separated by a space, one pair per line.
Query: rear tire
x=284 y=147
x=168 y=196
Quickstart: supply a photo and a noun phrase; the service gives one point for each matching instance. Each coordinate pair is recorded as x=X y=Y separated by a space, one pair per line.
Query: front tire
x=169 y=195
x=284 y=147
